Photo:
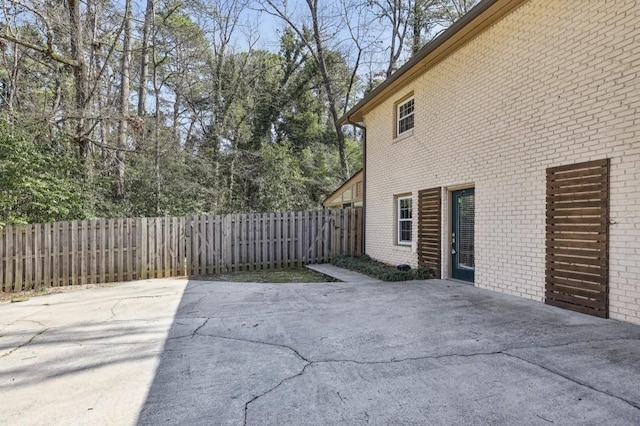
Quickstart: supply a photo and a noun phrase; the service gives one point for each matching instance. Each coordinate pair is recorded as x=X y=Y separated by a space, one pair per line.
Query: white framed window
x=405 y=220
x=405 y=116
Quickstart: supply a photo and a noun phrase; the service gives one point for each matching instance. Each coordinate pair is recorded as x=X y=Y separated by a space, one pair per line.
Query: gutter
x=364 y=182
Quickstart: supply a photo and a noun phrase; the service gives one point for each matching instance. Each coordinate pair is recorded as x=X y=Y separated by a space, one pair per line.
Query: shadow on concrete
x=109 y=345
x=408 y=353
x=205 y=378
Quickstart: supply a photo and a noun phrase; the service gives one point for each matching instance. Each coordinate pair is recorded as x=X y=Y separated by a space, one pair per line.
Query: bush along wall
x=382 y=271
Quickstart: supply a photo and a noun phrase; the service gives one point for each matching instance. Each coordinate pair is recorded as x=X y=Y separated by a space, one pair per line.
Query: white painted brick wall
x=554 y=82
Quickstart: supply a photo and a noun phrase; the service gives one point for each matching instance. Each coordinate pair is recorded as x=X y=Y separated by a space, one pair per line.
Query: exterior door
x=462 y=235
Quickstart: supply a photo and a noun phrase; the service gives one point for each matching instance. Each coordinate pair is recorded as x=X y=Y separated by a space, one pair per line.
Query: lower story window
x=405 y=220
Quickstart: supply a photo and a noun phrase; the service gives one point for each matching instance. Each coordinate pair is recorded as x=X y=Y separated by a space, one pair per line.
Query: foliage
x=371 y=267
x=214 y=123
x=38 y=180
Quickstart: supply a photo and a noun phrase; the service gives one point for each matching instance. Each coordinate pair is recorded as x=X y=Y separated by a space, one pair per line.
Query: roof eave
x=342 y=186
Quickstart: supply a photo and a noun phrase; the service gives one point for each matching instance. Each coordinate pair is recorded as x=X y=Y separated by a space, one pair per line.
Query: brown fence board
x=566 y=282
x=577 y=230
x=574 y=290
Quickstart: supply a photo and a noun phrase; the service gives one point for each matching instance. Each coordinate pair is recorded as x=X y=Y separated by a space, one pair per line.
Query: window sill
x=403 y=136
x=403 y=247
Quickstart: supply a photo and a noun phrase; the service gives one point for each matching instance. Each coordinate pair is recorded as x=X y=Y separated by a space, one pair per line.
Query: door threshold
x=459 y=281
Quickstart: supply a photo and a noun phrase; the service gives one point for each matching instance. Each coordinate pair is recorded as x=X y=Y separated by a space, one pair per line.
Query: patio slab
x=166 y=352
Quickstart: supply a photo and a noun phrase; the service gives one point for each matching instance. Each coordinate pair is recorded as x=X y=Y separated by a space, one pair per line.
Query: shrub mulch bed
x=382 y=271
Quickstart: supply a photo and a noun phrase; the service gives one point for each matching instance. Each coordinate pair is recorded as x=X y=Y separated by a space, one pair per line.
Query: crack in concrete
x=401 y=360
x=268 y=391
x=34 y=321
x=191 y=334
x=258 y=342
x=504 y=352
x=575 y=342
x=198 y=328
x=113 y=312
x=24 y=344
x=23 y=319
x=311 y=363
x=566 y=377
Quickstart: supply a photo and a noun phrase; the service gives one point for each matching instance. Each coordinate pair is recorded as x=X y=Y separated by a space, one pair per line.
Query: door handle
x=453 y=243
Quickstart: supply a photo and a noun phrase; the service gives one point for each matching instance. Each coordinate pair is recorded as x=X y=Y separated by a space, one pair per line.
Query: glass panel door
x=462 y=235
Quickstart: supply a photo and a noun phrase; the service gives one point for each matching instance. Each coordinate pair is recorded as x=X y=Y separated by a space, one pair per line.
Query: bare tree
x=125 y=82
x=395 y=15
x=59 y=32
x=144 y=56
x=316 y=37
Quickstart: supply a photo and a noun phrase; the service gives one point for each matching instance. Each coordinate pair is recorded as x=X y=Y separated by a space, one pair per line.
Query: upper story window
x=405 y=220
x=405 y=116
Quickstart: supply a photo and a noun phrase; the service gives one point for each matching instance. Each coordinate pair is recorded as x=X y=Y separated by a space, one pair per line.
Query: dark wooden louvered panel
x=577 y=254
x=429 y=229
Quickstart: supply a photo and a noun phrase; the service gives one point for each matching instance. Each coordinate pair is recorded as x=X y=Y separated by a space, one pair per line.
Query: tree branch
x=47 y=50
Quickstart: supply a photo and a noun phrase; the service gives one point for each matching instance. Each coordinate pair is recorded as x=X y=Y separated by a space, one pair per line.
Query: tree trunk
x=80 y=75
x=11 y=87
x=125 y=81
x=416 y=43
x=156 y=121
x=176 y=118
x=326 y=81
x=144 y=57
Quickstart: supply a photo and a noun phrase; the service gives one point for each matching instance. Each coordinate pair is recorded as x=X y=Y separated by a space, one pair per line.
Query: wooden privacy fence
x=113 y=250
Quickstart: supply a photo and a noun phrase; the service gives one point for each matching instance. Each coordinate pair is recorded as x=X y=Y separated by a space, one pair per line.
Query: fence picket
x=11 y=259
x=180 y=242
x=27 y=243
x=119 y=251
x=157 y=246
x=13 y=264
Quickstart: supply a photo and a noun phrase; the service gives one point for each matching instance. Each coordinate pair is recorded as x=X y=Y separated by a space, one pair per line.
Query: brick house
x=507 y=153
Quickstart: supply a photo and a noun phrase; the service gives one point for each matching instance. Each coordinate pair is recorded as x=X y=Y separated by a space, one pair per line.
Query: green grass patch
x=293 y=275
x=382 y=271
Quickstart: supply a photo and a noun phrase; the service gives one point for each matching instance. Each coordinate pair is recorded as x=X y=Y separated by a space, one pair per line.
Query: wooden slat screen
x=577 y=258
x=429 y=229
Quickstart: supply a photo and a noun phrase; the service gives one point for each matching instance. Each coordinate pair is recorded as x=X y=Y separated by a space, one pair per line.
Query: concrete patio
x=167 y=352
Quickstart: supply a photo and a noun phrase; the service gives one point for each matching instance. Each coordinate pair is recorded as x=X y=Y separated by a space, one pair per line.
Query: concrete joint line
x=586 y=385
x=24 y=344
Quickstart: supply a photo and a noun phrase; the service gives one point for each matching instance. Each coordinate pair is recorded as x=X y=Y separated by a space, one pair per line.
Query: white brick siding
x=554 y=82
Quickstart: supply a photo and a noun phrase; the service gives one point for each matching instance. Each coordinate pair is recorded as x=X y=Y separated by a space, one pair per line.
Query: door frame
x=449 y=229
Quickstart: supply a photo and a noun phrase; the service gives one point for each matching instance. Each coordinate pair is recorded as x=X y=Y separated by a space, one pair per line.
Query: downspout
x=364 y=181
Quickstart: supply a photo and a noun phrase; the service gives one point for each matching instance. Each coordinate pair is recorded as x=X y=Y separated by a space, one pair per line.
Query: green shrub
x=384 y=272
